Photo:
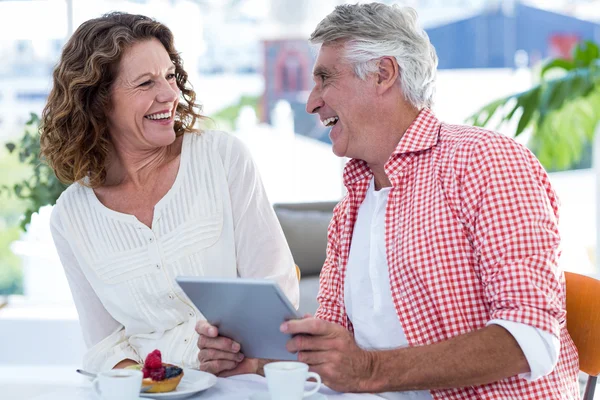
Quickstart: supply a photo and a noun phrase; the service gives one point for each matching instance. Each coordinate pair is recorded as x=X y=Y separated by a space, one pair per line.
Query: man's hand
x=330 y=351
x=220 y=355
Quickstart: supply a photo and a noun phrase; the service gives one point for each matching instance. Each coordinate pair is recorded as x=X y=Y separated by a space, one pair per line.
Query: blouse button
x=185 y=340
x=151 y=240
x=171 y=296
x=157 y=266
x=191 y=314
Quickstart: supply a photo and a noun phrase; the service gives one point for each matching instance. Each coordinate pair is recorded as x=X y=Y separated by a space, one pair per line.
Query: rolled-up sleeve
x=109 y=352
x=540 y=348
x=511 y=213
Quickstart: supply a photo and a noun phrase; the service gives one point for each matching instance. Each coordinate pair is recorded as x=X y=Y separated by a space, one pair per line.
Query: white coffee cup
x=118 y=384
x=286 y=380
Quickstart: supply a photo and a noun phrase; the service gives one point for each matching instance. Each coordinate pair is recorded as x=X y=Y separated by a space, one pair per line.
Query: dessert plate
x=193 y=381
x=266 y=396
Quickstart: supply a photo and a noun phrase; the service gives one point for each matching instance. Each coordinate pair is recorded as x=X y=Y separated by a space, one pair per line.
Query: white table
x=63 y=383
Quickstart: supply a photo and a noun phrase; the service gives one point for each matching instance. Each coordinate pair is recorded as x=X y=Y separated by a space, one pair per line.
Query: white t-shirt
x=370 y=308
x=215 y=221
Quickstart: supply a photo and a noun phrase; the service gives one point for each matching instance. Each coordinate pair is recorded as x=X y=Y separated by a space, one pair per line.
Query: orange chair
x=583 y=324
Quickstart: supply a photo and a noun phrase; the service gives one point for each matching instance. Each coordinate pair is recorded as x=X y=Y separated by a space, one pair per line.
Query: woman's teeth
x=159 y=116
x=330 y=121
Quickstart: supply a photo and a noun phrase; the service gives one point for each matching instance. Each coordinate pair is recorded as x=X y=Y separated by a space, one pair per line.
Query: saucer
x=266 y=396
x=193 y=382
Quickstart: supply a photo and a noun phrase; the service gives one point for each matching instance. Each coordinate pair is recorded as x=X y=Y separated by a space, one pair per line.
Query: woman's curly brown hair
x=74 y=135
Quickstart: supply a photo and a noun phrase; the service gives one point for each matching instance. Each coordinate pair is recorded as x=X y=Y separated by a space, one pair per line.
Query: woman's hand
x=125 y=364
x=220 y=355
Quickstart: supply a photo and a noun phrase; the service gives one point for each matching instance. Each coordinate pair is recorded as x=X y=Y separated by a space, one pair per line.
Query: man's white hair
x=375 y=30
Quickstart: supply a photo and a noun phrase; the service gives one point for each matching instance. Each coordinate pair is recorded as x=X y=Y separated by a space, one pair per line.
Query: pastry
x=161 y=376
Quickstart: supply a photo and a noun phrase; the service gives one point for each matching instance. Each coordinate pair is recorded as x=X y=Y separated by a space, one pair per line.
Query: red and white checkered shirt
x=471 y=235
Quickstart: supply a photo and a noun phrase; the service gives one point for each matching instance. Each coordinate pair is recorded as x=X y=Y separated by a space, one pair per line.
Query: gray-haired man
x=441 y=276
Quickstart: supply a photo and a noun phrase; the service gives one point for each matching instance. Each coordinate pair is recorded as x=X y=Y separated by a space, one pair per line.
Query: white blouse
x=215 y=221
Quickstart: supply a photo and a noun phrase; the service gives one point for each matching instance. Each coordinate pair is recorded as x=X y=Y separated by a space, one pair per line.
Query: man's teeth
x=159 y=116
x=330 y=121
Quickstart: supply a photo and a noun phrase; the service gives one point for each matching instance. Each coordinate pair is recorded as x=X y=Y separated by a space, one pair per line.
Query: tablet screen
x=249 y=311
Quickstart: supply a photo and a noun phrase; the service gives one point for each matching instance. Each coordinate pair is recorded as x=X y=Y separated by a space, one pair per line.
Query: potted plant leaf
x=563 y=110
x=42 y=187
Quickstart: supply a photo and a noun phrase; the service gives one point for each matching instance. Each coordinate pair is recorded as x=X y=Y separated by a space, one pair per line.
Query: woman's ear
x=387 y=74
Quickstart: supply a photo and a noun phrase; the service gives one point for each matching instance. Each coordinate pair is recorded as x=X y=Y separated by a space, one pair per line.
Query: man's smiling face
x=343 y=101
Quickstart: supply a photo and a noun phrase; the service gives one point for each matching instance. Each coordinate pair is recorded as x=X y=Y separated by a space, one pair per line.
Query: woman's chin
x=163 y=140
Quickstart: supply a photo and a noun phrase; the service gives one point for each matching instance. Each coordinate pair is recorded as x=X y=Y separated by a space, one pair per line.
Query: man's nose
x=314 y=101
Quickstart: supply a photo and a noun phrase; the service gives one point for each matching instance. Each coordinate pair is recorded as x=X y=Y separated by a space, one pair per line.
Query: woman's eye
x=147 y=83
x=171 y=76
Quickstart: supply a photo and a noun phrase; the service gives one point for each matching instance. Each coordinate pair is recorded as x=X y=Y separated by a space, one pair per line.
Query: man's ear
x=387 y=74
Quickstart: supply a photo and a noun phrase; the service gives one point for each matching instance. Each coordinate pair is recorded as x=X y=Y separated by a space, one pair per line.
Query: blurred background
x=250 y=64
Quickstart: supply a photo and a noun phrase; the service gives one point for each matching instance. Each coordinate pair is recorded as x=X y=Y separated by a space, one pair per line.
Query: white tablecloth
x=63 y=383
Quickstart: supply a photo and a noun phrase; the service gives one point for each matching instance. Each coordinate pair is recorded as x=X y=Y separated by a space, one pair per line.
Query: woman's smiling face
x=144 y=97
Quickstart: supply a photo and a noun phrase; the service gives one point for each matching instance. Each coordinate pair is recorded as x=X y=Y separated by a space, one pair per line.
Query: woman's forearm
x=125 y=363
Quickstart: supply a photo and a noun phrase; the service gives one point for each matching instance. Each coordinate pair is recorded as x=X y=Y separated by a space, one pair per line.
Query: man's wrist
x=371 y=362
x=260 y=368
x=385 y=370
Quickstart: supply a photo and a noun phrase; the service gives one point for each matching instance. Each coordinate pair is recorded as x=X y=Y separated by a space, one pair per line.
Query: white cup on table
x=118 y=384
x=286 y=380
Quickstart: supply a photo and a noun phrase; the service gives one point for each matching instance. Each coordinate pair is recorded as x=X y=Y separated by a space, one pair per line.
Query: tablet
x=249 y=311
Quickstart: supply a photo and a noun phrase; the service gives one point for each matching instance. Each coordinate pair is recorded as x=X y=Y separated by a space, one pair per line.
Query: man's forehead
x=328 y=58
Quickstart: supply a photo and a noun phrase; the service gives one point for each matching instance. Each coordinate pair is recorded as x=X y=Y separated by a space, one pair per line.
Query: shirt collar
x=422 y=134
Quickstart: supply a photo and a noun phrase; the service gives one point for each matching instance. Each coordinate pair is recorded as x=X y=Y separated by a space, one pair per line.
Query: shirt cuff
x=540 y=348
x=109 y=352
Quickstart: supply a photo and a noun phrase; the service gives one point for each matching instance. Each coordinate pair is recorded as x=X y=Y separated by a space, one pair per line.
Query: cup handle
x=317 y=386
x=96 y=387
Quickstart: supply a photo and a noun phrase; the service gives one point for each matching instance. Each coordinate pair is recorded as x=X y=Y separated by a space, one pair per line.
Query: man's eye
x=324 y=78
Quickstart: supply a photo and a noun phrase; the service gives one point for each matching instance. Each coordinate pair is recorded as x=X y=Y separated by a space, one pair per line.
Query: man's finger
x=242 y=368
x=206 y=329
x=218 y=343
x=212 y=354
x=217 y=366
x=308 y=343
x=313 y=358
x=310 y=326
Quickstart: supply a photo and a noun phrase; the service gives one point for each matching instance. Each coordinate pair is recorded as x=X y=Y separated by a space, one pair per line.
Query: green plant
x=226 y=117
x=562 y=111
x=41 y=187
x=11 y=273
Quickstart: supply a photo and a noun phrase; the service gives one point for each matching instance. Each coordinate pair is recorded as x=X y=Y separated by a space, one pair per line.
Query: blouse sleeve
x=261 y=247
x=104 y=337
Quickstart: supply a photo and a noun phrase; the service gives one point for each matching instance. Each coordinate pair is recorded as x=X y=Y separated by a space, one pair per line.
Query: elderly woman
x=151 y=197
